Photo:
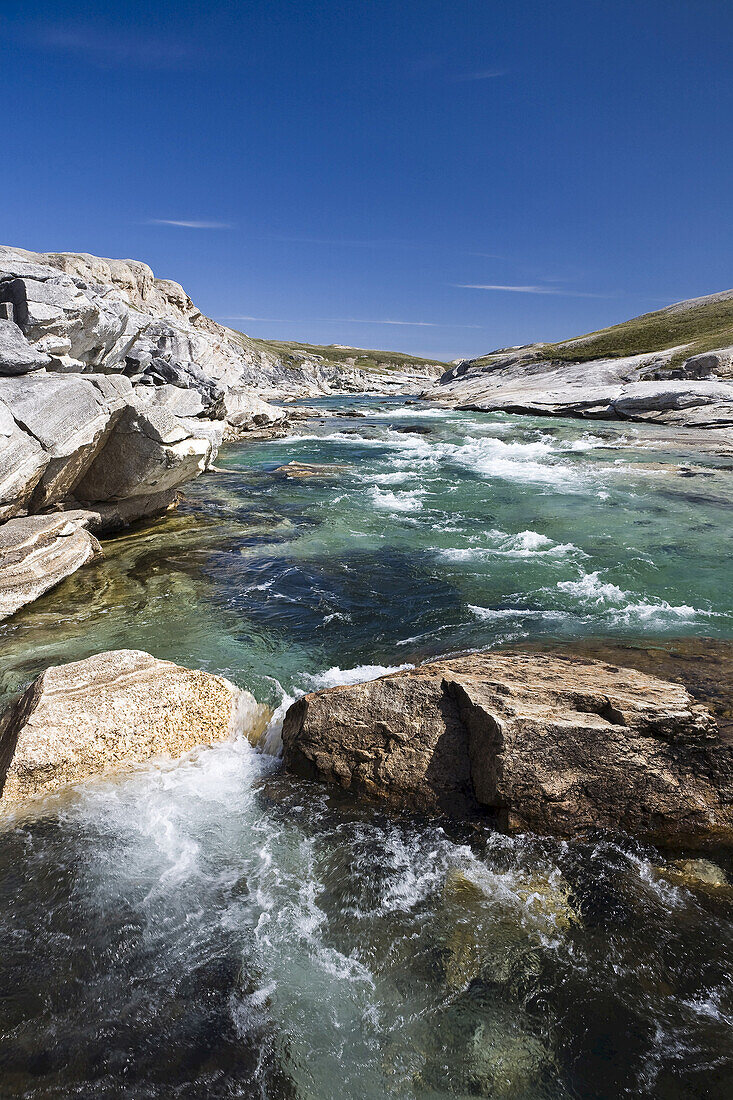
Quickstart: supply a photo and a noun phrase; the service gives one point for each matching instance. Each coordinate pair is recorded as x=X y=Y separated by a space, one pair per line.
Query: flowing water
x=212 y=927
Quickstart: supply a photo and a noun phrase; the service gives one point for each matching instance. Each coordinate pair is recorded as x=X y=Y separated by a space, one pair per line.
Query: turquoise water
x=486 y=530
x=213 y=928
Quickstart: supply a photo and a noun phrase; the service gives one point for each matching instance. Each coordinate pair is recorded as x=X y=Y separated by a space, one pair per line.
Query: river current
x=211 y=927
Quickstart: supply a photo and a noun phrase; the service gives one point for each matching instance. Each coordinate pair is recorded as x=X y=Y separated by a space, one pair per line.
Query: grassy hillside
x=293 y=353
x=701 y=326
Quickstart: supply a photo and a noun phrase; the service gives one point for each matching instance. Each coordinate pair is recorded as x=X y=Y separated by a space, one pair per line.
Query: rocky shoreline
x=609 y=375
x=115 y=391
x=561 y=746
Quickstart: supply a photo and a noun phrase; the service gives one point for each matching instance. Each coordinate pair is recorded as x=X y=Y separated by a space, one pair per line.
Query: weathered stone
x=63 y=414
x=104 y=518
x=148 y=451
x=114 y=315
x=557 y=746
x=176 y=399
x=650 y=386
x=22 y=463
x=117 y=708
x=70 y=418
x=709 y=364
x=17 y=356
x=243 y=408
x=37 y=553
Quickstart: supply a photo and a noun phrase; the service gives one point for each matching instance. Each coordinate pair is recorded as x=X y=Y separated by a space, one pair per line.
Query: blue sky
x=374 y=172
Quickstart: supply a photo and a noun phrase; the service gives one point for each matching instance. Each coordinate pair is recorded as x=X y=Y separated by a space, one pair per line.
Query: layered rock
x=38 y=552
x=602 y=376
x=113 y=709
x=558 y=746
x=75 y=312
x=602 y=389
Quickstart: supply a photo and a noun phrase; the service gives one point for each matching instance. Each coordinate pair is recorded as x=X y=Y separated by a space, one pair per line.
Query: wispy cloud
x=482 y=74
x=531 y=290
x=351 y=243
x=113 y=47
x=188 y=224
x=343 y=321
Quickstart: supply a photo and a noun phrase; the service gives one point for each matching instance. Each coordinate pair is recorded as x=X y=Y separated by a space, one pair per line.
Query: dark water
x=213 y=928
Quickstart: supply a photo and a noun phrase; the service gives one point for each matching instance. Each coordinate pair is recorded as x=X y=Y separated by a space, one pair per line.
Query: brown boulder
x=111 y=709
x=556 y=746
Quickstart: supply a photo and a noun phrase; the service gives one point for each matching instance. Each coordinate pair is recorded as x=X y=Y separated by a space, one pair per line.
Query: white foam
x=591 y=589
x=628 y=608
x=389 y=479
x=271 y=742
x=490 y=613
x=408 y=501
x=409 y=412
x=525 y=544
x=335 y=676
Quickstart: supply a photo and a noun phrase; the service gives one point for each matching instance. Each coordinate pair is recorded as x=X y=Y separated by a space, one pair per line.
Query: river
x=212 y=927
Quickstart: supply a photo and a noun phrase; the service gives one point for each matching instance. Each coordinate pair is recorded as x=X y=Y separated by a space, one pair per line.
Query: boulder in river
x=115 y=708
x=555 y=746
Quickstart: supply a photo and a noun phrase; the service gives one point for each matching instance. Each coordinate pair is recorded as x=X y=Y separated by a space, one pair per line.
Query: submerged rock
x=310 y=469
x=116 y=708
x=558 y=746
x=493 y=927
x=697 y=874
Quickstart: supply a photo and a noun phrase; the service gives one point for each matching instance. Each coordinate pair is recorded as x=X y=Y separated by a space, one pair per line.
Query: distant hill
x=693 y=326
x=340 y=355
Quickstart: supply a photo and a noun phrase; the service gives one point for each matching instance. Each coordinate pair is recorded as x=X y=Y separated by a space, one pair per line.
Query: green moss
x=702 y=327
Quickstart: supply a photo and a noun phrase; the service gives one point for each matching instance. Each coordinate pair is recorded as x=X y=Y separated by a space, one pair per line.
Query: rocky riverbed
x=494 y=858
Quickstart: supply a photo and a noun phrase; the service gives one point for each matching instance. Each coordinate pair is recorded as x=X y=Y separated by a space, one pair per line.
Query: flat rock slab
x=115 y=708
x=552 y=745
x=310 y=469
x=38 y=552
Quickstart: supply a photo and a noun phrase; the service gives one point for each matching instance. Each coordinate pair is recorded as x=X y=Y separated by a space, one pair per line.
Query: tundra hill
x=690 y=328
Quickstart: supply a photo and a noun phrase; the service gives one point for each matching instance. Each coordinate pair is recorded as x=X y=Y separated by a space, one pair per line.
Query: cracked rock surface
x=555 y=745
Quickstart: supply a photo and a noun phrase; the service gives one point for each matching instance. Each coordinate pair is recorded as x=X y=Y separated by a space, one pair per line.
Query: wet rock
x=696 y=874
x=102 y=519
x=556 y=746
x=116 y=708
x=310 y=469
x=492 y=926
x=38 y=552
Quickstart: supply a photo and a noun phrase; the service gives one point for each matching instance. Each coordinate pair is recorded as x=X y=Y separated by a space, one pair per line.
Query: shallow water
x=212 y=927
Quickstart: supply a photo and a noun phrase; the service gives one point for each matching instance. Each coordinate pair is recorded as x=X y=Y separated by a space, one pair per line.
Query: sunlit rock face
x=671 y=367
x=556 y=746
x=111 y=710
x=115 y=388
